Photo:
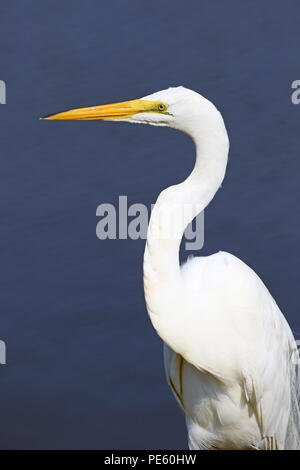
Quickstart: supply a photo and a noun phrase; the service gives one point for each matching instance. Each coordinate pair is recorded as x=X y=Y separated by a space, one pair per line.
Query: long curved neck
x=175 y=208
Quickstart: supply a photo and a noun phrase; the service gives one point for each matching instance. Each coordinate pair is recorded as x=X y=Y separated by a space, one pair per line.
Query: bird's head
x=178 y=107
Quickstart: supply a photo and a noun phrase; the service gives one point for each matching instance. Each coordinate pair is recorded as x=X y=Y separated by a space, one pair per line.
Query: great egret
x=230 y=356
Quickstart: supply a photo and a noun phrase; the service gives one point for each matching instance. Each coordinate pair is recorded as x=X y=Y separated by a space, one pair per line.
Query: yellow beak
x=121 y=110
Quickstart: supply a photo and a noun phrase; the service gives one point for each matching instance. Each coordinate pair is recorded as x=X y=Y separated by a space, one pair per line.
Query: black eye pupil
x=161 y=107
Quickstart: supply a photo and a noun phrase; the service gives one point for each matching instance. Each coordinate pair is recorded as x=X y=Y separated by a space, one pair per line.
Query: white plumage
x=230 y=356
x=237 y=382
x=229 y=352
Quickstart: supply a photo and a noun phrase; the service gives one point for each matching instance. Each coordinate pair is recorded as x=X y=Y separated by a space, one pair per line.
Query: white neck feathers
x=175 y=208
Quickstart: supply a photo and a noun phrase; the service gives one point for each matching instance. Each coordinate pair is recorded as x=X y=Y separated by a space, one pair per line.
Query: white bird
x=230 y=357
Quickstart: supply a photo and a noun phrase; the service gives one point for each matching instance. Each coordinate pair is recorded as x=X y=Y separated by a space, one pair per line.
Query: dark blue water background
x=84 y=366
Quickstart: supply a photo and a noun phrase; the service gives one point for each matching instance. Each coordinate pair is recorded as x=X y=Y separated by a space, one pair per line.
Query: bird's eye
x=162 y=107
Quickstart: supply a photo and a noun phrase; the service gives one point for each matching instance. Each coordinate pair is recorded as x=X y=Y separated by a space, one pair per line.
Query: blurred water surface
x=84 y=366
